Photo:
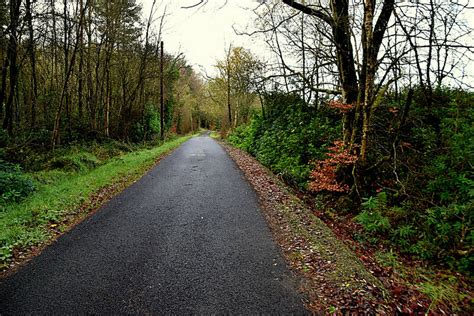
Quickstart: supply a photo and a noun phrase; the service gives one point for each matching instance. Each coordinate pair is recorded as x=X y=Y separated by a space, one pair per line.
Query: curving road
x=186 y=238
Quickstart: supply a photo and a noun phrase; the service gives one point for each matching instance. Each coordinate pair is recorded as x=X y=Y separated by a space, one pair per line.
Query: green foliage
x=288 y=138
x=388 y=259
x=424 y=206
x=149 y=128
x=244 y=136
x=372 y=217
x=151 y=119
x=5 y=253
x=443 y=233
x=4 y=139
x=14 y=185
x=430 y=181
x=169 y=110
x=449 y=234
x=79 y=162
x=442 y=292
x=403 y=235
x=450 y=174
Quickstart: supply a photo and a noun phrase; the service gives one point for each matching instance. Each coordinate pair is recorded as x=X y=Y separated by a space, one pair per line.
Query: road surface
x=186 y=238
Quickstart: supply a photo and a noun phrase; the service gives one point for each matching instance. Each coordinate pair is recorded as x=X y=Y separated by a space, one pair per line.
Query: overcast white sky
x=203 y=33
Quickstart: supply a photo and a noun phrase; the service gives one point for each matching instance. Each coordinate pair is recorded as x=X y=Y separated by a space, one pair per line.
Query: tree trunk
x=80 y=85
x=107 y=101
x=344 y=53
x=89 y=73
x=228 y=91
x=370 y=64
x=162 y=101
x=32 y=55
x=68 y=69
x=354 y=92
x=3 y=88
x=12 y=61
x=345 y=61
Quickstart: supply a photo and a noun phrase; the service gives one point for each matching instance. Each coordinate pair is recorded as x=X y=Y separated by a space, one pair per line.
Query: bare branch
x=194 y=5
x=310 y=11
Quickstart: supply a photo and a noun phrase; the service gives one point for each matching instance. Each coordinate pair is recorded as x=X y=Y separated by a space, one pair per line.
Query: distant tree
x=237 y=75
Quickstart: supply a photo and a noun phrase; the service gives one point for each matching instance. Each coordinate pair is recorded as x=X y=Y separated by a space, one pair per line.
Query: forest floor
x=339 y=274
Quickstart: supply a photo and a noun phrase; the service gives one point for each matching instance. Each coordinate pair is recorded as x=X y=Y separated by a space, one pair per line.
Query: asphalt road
x=186 y=238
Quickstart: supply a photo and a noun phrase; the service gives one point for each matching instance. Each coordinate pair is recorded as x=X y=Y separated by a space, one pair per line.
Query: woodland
x=363 y=107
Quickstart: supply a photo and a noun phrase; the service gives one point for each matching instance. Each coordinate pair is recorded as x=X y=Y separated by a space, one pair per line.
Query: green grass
x=442 y=289
x=442 y=292
x=215 y=135
x=61 y=192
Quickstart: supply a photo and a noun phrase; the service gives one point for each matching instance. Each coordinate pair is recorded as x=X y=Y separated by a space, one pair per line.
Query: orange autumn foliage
x=338 y=105
x=324 y=176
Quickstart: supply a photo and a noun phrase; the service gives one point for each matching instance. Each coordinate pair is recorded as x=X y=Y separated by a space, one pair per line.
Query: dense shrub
x=373 y=216
x=149 y=127
x=245 y=136
x=288 y=138
x=444 y=234
x=429 y=182
x=14 y=185
x=418 y=186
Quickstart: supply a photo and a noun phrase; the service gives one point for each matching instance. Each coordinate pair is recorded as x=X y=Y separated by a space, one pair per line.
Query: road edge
x=21 y=257
x=330 y=275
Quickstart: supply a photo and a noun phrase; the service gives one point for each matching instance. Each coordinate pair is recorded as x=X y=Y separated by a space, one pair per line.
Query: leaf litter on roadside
x=336 y=273
x=330 y=276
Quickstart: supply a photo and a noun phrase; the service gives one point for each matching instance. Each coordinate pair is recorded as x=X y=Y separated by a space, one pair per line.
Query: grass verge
x=215 y=135
x=64 y=198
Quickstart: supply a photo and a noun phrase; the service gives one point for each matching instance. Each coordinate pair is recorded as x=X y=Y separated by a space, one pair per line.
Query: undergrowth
x=413 y=195
x=288 y=138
